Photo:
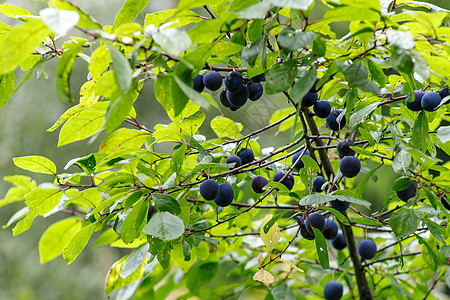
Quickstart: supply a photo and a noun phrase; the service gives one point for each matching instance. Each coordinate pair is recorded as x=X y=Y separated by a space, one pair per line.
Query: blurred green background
x=23 y=124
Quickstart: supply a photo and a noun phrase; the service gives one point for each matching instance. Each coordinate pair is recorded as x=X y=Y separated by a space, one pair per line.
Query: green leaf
x=357 y=75
x=165 y=226
x=164 y=255
x=250 y=54
x=200 y=274
x=294 y=4
x=20 y=42
x=173 y=40
x=122 y=69
x=134 y=260
x=401 y=162
x=158 y=17
x=59 y=21
x=24 y=224
x=272 y=221
x=363 y=183
x=113 y=279
x=401 y=184
x=361 y=115
x=281 y=77
x=319 y=46
x=321 y=247
x=87 y=198
x=404 y=222
x=436 y=230
x=119 y=109
x=365 y=221
x=83 y=124
x=65 y=67
x=78 y=243
x=225 y=127
x=129 y=11
x=341 y=218
x=56 y=237
x=123 y=138
x=36 y=164
x=165 y=202
x=170 y=95
x=443 y=134
x=400 y=289
x=13 y=11
x=419 y=134
x=42 y=201
x=303 y=85
x=7 y=83
x=319 y=199
x=272 y=236
x=291 y=39
x=377 y=72
x=282 y=292
x=134 y=223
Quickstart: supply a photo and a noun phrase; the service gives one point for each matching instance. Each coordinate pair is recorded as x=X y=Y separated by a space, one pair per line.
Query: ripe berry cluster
x=428 y=101
x=235 y=93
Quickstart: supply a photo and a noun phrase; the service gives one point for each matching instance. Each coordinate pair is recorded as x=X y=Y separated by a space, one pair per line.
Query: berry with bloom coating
x=367 y=249
x=198 y=83
x=234 y=81
x=246 y=155
x=234 y=159
x=430 y=101
x=288 y=181
x=339 y=242
x=225 y=195
x=255 y=90
x=407 y=193
x=333 y=290
x=318 y=182
x=209 y=189
x=330 y=230
x=239 y=98
x=258 y=184
x=309 y=99
x=416 y=105
x=322 y=108
x=340 y=205
x=343 y=148
x=299 y=164
x=332 y=122
x=212 y=80
x=315 y=220
x=350 y=166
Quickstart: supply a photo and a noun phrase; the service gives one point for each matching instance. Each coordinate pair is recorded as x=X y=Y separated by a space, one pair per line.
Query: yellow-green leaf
x=64 y=69
x=123 y=138
x=43 y=200
x=13 y=11
x=56 y=237
x=83 y=124
x=114 y=281
x=129 y=11
x=263 y=276
x=36 y=164
x=78 y=242
x=20 y=42
x=7 y=83
x=272 y=236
